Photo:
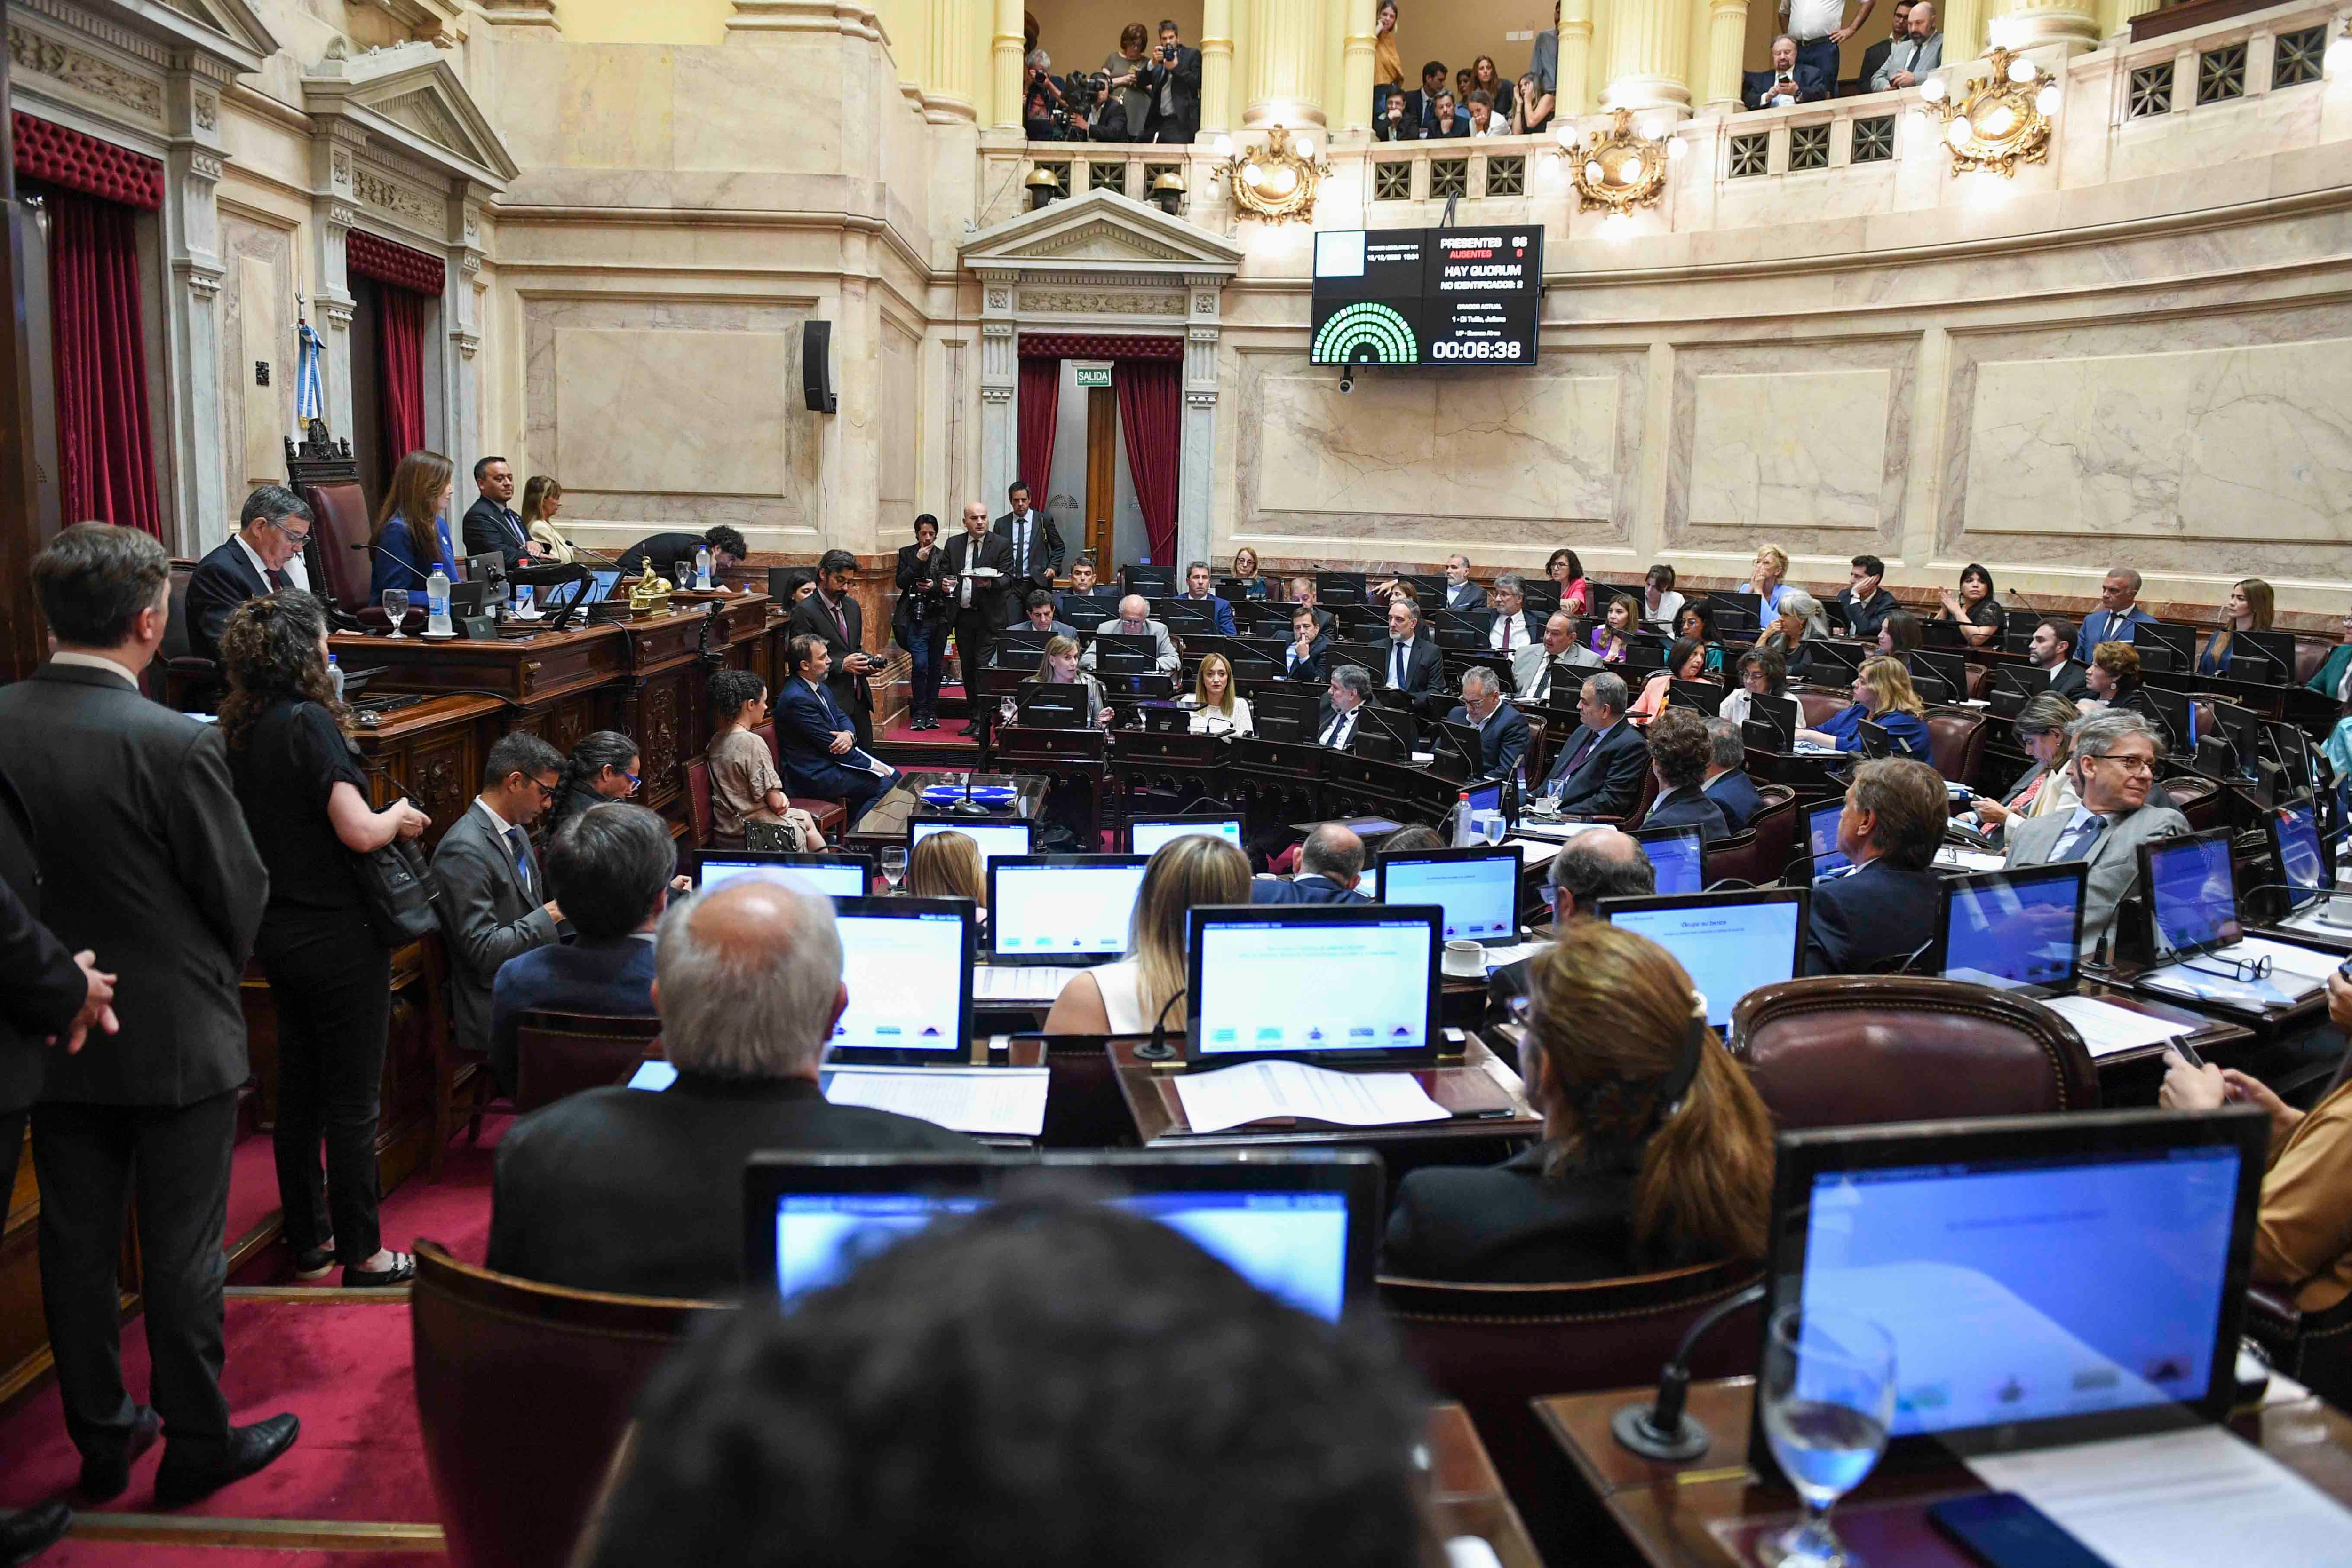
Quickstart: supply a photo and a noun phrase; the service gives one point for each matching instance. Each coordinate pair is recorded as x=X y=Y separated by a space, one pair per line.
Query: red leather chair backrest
x=1820 y=707
x=1539 y=756
x=561 y=1054
x=1842 y=1051
x=2199 y=799
x=1979 y=682
x=2309 y=656
x=1775 y=827
x=1955 y=744
x=698 y=800
x=1735 y=858
x=338 y=513
x=523 y=1390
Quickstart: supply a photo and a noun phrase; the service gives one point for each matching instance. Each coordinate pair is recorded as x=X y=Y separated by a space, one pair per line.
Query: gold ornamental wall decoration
x=2003 y=120
x=1279 y=181
x=1621 y=171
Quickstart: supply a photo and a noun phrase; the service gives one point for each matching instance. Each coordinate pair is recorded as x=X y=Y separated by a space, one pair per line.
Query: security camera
x=1347 y=381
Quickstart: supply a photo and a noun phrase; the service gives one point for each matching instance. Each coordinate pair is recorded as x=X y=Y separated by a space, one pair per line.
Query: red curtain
x=1152 y=412
x=400 y=359
x=1040 y=400
x=106 y=455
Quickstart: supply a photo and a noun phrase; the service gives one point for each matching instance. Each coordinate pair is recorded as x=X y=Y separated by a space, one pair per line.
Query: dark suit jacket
x=1468 y=596
x=611 y=978
x=2073 y=681
x=1424 y=669
x=41 y=987
x=1045 y=549
x=488 y=916
x=1865 y=619
x=1878 y=913
x=492 y=526
x=1610 y=782
x=910 y=572
x=1303 y=890
x=224 y=580
x=1186 y=123
x=1871 y=58
x=1738 y=795
x=1756 y=86
x=991 y=598
x=1507 y=1224
x=807 y=718
x=664 y=550
x=642 y=1194
x=1217 y=610
x=1689 y=808
x=145 y=858
x=1317 y=666
x=1503 y=739
x=853 y=693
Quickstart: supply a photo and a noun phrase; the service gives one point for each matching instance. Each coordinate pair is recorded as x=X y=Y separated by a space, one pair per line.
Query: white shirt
x=1813 y=19
x=1397 y=649
x=1341 y=729
x=1670 y=604
x=1515 y=627
x=1497 y=125
x=259 y=565
x=502 y=827
x=96 y=662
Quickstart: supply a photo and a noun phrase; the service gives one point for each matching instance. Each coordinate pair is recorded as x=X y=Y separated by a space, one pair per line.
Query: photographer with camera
x=1044 y=116
x=1104 y=105
x=1172 y=78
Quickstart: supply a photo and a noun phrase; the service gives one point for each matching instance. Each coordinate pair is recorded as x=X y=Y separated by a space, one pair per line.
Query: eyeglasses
x=546 y=791
x=2128 y=764
x=304 y=537
x=634 y=781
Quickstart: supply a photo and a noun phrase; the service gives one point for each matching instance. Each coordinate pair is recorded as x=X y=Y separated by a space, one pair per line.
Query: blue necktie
x=521 y=843
x=2076 y=842
x=1396 y=679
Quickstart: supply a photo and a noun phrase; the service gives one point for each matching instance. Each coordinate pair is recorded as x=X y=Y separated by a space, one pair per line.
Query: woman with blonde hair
x=1882 y=693
x=2251 y=607
x=1766 y=576
x=947 y=865
x=1128 y=997
x=1216 y=710
x=411 y=526
x=1657 y=1152
x=2049 y=785
x=1058 y=666
x=543 y=498
x=1247 y=572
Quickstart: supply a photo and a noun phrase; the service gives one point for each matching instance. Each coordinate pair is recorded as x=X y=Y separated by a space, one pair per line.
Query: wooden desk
x=1465 y=1496
x=1680 y=1515
x=2131 y=1077
x=2266 y=1024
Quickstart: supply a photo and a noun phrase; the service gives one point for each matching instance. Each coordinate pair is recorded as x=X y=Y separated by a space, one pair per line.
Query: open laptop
x=1332 y=984
x=994 y=836
x=2017 y=930
x=1727 y=943
x=2299 y=851
x=2200 y=945
x=1061 y=909
x=834 y=875
x=908 y=963
x=1145 y=835
x=1821 y=839
x=1677 y=855
x=1301 y=1225
x=1478 y=889
x=1053 y=705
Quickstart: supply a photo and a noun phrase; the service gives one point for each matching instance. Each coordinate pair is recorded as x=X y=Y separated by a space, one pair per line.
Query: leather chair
x=340 y=523
x=2312 y=1348
x=831 y=816
x=1817 y=708
x=1759 y=855
x=561 y=1054
x=1837 y=1050
x=698 y=801
x=1539 y=744
x=1494 y=1348
x=2309 y=655
x=1955 y=744
x=523 y=1392
x=190 y=684
x=2199 y=799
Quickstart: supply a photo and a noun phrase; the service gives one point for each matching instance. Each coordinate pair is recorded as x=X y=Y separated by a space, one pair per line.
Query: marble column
x=461 y=365
x=2073 y=24
x=1196 y=470
x=1005 y=54
x=334 y=213
x=1216 y=66
x=1573 y=92
x=1649 y=50
x=1727 y=45
x=1285 y=48
x=947 y=80
x=1000 y=379
x=1964 y=29
x=1356 y=75
x=192 y=360
x=2118 y=15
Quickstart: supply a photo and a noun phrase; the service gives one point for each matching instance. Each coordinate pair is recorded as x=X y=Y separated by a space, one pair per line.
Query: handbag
x=399 y=893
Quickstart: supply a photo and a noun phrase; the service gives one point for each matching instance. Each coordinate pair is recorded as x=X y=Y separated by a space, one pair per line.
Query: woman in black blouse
x=1974 y=607
x=305 y=800
x=603 y=766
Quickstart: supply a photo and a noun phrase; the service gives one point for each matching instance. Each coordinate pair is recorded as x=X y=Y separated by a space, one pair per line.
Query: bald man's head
x=1334 y=852
x=1135 y=609
x=748 y=980
x=1603 y=863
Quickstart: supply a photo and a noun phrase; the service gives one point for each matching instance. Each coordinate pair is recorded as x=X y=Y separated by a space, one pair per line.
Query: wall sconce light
x=1167 y=192
x=1621 y=169
x=1277 y=182
x=1043 y=186
x=2003 y=120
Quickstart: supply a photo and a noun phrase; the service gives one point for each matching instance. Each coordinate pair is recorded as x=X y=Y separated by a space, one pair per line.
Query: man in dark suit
x=2048 y=649
x=1513 y=629
x=493 y=525
x=1590 y=867
x=610 y=867
x=1196 y=593
x=1331 y=864
x=662 y=552
x=1503 y=733
x=622 y=1190
x=1727 y=784
x=1410 y=662
x=1884 y=909
x=1865 y=599
x=249 y=564
x=833 y=615
x=1601 y=762
x=1172 y=78
x=1680 y=749
x=144 y=858
x=1461 y=593
x=1336 y=720
x=974 y=568
x=1302 y=592
x=1420 y=103
x=1041 y=617
x=495 y=902
x=1786 y=83
x=1876 y=56
x=2118 y=612
x=1036 y=544
x=820 y=750
x=1310 y=648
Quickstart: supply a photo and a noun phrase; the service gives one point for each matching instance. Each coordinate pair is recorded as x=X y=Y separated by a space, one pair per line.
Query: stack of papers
x=998 y=1102
x=1255 y=1091
x=1019 y=982
x=2296 y=973
x=1970 y=859
x=2107 y=1029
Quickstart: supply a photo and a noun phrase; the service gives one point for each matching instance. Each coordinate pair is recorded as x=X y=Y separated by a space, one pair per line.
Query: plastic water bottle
x=437 y=604
x=335 y=676
x=702 y=566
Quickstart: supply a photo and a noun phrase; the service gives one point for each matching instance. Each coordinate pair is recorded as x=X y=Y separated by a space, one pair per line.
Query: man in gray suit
x=1914 y=57
x=2115 y=752
x=143 y=857
x=495 y=904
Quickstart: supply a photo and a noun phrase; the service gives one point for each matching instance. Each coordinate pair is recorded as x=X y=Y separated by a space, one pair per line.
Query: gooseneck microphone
x=1661 y=1430
x=1157 y=1048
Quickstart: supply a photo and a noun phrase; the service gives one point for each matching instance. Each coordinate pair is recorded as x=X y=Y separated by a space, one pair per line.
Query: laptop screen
x=1675 y=856
x=994 y=839
x=833 y=878
x=1146 y=834
x=2303 y=863
x=2008 y=929
x=1291 y=980
x=1486 y=797
x=1062 y=906
x=1478 y=890
x=2192 y=893
x=908 y=964
x=1727 y=945
x=1821 y=838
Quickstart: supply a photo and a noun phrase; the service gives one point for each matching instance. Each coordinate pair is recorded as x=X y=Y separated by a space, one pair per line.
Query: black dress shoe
x=250 y=1448
x=31 y=1531
x=104 y=1476
x=402 y=1270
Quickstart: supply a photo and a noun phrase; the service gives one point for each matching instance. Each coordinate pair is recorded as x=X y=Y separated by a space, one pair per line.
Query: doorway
x=1091 y=494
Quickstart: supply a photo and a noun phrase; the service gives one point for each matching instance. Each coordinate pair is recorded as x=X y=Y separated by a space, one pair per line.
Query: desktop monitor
x=2177 y=716
x=2157 y=636
x=2192 y=896
x=1836 y=663
x=1061 y=909
x=2243 y=729
x=1821 y=839
x=2292 y=748
x=1951 y=670
x=2010 y=929
x=2045 y=1279
x=1727 y=943
x=1125 y=653
x=996 y=837
x=908 y=964
x=1336 y=589
x=1055 y=705
x=1352 y=985
x=1146 y=834
x=834 y=875
x=1478 y=889
x=2300 y=852
x=1151 y=582
x=1875 y=738
x=2263 y=658
x=1782 y=713
x=1302 y=1225
x=1677 y=855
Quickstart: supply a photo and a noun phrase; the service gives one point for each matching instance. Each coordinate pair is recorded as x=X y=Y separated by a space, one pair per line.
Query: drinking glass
x=1828 y=1399
x=894 y=865
x=395 y=607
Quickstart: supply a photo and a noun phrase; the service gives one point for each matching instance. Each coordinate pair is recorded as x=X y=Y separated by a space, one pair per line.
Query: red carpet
x=454 y=1211
x=905 y=734
x=252 y=1189
x=72 y=1554
x=343 y=1367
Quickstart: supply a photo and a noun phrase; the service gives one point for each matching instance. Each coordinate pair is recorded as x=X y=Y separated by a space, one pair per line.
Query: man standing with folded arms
x=144 y=857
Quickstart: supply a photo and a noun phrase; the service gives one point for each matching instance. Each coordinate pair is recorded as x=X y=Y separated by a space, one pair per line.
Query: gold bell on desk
x=651 y=594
